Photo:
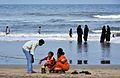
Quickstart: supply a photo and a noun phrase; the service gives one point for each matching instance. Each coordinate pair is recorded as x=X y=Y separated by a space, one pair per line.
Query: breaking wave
x=107 y=16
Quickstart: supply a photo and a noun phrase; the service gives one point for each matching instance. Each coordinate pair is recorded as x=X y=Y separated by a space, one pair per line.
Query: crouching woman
x=62 y=64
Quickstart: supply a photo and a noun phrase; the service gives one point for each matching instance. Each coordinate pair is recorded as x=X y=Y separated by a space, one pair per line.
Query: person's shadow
x=79 y=47
x=105 y=47
x=70 y=51
x=85 y=47
x=82 y=52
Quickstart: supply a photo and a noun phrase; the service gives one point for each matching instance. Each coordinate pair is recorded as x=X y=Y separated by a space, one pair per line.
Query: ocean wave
x=30 y=36
x=117 y=29
x=45 y=14
x=56 y=20
x=94 y=20
x=107 y=16
x=55 y=36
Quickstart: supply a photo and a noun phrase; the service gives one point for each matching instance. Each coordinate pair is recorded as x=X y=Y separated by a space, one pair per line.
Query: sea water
x=57 y=18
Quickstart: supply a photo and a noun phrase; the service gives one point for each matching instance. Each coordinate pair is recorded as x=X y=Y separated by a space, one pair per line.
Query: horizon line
x=53 y=3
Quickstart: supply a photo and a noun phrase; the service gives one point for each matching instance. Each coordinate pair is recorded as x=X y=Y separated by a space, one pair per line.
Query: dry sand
x=97 y=71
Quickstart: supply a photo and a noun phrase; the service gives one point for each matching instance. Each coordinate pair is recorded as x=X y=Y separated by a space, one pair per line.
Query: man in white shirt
x=29 y=50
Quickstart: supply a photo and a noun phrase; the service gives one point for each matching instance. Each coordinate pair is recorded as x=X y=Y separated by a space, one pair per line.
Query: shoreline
x=14 y=66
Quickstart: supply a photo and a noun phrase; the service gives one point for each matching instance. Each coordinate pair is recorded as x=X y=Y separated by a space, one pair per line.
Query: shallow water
x=92 y=53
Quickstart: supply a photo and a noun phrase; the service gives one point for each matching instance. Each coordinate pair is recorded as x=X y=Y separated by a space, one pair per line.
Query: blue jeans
x=29 y=60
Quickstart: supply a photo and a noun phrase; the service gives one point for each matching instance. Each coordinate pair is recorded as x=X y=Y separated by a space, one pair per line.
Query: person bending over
x=29 y=50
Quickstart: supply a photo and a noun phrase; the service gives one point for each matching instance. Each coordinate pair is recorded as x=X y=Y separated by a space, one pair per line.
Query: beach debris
x=74 y=72
x=85 y=72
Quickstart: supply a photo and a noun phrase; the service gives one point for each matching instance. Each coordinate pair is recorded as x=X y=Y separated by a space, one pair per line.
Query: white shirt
x=31 y=46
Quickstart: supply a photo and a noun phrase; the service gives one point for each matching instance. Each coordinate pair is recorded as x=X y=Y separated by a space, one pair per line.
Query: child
x=50 y=61
x=62 y=64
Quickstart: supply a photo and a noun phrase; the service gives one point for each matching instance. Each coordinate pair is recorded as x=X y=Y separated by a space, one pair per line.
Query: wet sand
x=14 y=55
x=97 y=71
x=94 y=52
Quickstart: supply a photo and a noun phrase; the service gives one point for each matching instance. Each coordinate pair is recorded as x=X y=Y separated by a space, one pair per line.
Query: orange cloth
x=62 y=64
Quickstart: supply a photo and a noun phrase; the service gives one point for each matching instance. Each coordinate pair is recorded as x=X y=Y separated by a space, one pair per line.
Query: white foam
x=61 y=36
x=116 y=40
x=108 y=16
x=96 y=20
x=82 y=20
x=99 y=31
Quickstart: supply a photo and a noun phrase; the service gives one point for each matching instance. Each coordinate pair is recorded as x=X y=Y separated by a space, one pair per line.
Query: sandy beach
x=97 y=71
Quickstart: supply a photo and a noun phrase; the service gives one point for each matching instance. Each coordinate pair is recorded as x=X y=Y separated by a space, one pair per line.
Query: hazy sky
x=59 y=1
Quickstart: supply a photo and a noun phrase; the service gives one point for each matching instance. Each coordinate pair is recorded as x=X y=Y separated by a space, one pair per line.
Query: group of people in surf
x=7 y=30
x=105 y=35
x=80 y=33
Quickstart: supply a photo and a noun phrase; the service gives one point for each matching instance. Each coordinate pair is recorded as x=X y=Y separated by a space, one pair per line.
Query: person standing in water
x=108 y=34
x=7 y=30
x=86 y=30
x=103 y=35
x=39 y=30
x=29 y=50
x=79 y=33
x=70 y=32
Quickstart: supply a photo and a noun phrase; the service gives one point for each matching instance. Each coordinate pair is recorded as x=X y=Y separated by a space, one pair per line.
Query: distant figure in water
x=108 y=34
x=79 y=33
x=7 y=30
x=103 y=34
x=113 y=35
x=70 y=32
x=86 y=30
x=39 y=30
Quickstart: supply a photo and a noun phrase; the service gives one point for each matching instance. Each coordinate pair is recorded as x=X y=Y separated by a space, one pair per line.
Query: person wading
x=108 y=33
x=103 y=35
x=70 y=32
x=86 y=30
x=79 y=33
